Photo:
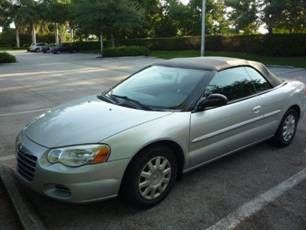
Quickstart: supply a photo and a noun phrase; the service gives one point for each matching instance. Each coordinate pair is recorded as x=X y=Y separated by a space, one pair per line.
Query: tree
x=216 y=21
x=153 y=15
x=56 y=12
x=23 y=13
x=31 y=10
x=284 y=15
x=178 y=17
x=243 y=15
x=12 y=13
x=4 y=13
x=106 y=16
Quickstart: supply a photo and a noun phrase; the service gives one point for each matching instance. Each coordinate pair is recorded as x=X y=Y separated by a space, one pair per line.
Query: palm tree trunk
x=270 y=30
x=113 y=39
x=72 y=35
x=33 y=34
x=56 y=34
x=17 y=37
x=101 y=44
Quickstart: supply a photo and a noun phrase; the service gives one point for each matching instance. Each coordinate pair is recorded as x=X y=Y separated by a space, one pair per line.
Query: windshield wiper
x=103 y=97
x=139 y=104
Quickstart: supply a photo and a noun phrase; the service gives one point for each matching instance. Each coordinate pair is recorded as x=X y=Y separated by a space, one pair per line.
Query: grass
x=11 y=49
x=269 y=60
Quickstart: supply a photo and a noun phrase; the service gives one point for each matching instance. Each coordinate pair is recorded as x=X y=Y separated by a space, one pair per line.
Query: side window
x=234 y=83
x=260 y=83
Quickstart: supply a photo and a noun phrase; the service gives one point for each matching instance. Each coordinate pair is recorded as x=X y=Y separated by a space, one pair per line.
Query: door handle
x=256 y=109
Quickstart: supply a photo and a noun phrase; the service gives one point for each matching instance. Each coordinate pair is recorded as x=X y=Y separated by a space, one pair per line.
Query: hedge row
x=126 y=51
x=6 y=58
x=277 y=44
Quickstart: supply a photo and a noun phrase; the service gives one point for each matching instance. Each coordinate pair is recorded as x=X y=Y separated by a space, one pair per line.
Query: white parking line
x=22 y=112
x=7 y=158
x=57 y=72
x=250 y=208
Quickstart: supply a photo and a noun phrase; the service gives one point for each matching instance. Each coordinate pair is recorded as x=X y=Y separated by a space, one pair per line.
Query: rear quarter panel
x=279 y=100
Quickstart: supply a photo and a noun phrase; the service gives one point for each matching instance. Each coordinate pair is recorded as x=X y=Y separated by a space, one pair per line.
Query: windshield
x=159 y=87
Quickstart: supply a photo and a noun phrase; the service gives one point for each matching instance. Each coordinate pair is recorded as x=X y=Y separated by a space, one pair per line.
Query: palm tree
x=57 y=13
x=31 y=13
x=23 y=13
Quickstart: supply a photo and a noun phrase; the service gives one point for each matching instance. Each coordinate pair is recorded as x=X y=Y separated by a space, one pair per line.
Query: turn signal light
x=102 y=155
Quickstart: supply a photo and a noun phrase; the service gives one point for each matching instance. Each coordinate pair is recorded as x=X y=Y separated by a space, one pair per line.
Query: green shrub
x=122 y=51
x=87 y=46
x=6 y=58
x=170 y=43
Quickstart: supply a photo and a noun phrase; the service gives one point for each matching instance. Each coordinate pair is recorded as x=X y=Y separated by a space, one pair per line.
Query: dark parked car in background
x=46 y=49
x=63 y=48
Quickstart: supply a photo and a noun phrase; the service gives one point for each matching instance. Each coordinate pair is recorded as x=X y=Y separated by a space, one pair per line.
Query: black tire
x=130 y=190
x=280 y=139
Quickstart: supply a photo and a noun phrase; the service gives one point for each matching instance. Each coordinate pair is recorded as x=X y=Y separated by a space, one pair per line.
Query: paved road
x=203 y=197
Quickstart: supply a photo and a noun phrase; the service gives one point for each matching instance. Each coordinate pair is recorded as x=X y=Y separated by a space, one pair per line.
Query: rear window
x=260 y=83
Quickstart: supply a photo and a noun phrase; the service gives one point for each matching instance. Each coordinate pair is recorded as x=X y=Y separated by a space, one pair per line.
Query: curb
x=27 y=216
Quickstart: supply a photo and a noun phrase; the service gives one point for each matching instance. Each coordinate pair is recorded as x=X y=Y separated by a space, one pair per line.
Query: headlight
x=79 y=155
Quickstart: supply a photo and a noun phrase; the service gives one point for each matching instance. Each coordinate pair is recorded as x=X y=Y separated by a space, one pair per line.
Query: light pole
x=203 y=27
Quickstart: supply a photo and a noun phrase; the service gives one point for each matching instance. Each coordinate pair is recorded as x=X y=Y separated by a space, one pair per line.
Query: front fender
x=174 y=127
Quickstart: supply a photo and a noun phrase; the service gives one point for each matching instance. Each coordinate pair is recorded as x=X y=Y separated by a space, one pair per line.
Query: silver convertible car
x=136 y=139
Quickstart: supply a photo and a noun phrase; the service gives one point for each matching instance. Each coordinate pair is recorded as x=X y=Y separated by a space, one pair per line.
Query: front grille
x=26 y=164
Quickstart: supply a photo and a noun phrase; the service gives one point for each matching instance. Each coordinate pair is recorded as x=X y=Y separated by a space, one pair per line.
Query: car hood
x=88 y=120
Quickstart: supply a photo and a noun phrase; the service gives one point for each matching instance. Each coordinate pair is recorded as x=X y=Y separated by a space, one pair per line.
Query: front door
x=217 y=131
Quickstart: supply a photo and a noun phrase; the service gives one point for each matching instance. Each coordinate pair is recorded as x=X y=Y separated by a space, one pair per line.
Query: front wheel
x=287 y=129
x=150 y=177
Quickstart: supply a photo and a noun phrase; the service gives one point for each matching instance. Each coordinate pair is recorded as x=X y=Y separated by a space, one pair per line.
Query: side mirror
x=213 y=100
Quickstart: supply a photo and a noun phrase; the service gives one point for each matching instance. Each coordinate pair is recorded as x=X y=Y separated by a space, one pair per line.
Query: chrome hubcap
x=154 y=178
x=289 y=128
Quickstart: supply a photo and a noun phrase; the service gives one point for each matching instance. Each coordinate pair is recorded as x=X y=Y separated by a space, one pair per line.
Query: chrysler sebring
x=137 y=138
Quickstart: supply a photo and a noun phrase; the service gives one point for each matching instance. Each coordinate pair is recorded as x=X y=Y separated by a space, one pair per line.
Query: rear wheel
x=287 y=129
x=150 y=176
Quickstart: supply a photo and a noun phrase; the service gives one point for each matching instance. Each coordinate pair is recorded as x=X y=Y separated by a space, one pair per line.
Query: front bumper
x=77 y=185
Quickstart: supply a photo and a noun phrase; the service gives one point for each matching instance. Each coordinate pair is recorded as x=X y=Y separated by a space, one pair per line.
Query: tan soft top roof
x=220 y=63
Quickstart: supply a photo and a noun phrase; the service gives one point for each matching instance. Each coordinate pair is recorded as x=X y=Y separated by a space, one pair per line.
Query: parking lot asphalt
x=41 y=81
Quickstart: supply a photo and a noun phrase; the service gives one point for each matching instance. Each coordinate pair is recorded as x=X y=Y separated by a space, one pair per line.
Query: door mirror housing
x=213 y=100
